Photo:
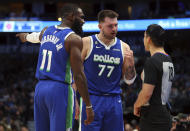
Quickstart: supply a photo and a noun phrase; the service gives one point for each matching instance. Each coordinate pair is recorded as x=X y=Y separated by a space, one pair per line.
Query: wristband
x=88 y=107
x=130 y=81
x=33 y=37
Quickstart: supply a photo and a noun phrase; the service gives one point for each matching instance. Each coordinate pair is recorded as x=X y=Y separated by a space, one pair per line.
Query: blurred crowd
x=49 y=10
x=16 y=93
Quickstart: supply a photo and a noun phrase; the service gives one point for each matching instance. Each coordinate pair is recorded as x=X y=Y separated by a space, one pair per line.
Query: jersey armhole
x=91 y=47
x=68 y=35
x=122 y=49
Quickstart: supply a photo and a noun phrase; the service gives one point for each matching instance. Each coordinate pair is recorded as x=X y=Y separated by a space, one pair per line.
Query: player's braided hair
x=69 y=8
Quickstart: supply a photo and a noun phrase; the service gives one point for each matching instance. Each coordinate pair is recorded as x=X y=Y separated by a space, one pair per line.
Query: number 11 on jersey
x=44 y=53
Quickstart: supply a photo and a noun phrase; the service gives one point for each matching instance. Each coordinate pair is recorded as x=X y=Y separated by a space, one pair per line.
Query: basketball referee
x=157 y=78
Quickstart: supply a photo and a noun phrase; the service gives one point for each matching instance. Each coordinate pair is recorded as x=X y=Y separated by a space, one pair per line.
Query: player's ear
x=71 y=16
x=100 y=26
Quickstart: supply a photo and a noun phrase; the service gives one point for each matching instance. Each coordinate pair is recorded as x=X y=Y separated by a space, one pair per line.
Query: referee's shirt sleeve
x=150 y=72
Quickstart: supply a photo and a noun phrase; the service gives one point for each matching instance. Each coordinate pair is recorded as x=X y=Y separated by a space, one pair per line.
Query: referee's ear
x=149 y=39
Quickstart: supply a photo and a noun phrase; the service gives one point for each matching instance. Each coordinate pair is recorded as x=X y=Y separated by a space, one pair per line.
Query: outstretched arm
x=34 y=37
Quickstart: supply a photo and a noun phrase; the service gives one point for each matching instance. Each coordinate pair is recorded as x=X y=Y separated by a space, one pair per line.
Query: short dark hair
x=157 y=34
x=106 y=13
x=69 y=8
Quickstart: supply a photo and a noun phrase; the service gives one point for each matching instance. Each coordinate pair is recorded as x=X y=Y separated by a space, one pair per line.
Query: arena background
x=18 y=60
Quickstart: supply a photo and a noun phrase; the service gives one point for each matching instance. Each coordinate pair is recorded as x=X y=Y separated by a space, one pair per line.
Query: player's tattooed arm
x=129 y=71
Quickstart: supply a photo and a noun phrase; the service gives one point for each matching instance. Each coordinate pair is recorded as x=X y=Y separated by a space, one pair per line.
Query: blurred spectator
x=181 y=122
x=2 y=127
x=17 y=11
x=24 y=128
x=128 y=127
x=38 y=8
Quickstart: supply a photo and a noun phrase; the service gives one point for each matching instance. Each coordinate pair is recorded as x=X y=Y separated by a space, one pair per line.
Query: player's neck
x=154 y=50
x=105 y=40
x=65 y=24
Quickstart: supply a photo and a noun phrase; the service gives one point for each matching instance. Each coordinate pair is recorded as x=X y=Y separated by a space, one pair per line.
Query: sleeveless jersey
x=103 y=67
x=53 y=61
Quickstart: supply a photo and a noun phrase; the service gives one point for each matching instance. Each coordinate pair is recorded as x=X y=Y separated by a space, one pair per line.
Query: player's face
x=109 y=27
x=78 y=22
x=146 y=42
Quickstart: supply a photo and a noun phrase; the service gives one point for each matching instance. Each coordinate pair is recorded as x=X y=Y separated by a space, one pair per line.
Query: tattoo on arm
x=130 y=72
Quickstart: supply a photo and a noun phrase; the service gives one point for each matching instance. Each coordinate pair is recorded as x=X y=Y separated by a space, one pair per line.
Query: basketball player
x=60 y=51
x=157 y=79
x=107 y=60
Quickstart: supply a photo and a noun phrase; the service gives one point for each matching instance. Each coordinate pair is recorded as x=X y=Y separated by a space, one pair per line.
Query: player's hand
x=129 y=59
x=22 y=36
x=90 y=116
x=136 y=111
x=129 y=65
x=77 y=110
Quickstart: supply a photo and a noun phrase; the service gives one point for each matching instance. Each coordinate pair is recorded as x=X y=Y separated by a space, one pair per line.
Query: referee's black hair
x=157 y=34
x=69 y=8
